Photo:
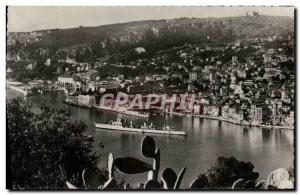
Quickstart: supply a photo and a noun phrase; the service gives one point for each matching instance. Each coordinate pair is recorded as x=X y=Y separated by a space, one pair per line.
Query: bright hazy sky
x=30 y=18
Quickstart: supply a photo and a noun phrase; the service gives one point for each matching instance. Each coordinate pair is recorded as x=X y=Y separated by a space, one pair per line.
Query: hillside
x=155 y=35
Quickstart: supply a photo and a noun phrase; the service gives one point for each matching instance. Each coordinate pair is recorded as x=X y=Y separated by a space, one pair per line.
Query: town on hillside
x=242 y=77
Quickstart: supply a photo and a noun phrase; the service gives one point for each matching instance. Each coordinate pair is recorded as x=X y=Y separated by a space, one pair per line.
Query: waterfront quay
x=173 y=106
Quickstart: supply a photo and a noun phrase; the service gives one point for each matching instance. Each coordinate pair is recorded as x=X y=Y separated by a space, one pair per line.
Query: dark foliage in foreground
x=45 y=149
x=227 y=170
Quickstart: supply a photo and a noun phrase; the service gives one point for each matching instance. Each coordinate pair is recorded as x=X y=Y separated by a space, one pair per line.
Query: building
x=72 y=99
x=211 y=110
x=270 y=72
x=225 y=111
x=65 y=80
x=30 y=66
x=234 y=60
x=86 y=100
x=70 y=60
x=289 y=120
x=255 y=115
x=48 y=62
x=196 y=109
x=239 y=91
x=148 y=78
x=68 y=83
x=193 y=76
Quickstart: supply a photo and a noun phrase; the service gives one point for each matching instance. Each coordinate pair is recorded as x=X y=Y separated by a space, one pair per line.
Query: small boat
x=118 y=125
x=135 y=113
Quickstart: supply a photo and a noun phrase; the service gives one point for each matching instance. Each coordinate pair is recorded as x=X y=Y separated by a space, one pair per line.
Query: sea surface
x=207 y=139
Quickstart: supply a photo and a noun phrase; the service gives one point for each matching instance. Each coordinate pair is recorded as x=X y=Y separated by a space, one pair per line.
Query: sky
x=31 y=18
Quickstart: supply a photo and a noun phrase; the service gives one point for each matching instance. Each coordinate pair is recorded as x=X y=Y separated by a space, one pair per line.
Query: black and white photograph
x=148 y=98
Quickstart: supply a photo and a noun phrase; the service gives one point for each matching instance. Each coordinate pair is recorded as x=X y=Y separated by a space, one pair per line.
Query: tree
x=45 y=149
x=227 y=170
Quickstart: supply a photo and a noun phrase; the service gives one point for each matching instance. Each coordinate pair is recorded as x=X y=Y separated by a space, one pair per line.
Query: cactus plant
x=199 y=183
x=108 y=184
x=71 y=186
x=242 y=184
x=130 y=165
x=152 y=184
x=156 y=163
x=110 y=166
x=179 y=178
x=148 y=147
x=238 y=184
x=260 y=185
x=168 y=178
x=91 y=179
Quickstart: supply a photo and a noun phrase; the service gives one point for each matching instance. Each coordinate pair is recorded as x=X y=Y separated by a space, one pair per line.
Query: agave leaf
x=150 y=175
x=152 y=184
x=156 y=163
x=71 y=186
x=130 y=165
x=168 y=178
x=126 y=186
x=110 y=165
x=108 y=184
x=261 y=185
x=179 y=178
x=238 y=184
x=148 y=147
x=198 y=183
x=90 y=179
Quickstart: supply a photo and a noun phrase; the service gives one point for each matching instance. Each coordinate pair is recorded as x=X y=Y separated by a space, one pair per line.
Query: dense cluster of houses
x=249 y=80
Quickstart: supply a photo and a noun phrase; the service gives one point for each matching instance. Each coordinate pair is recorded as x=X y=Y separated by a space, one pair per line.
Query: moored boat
x=122 y=111
x=135 y=113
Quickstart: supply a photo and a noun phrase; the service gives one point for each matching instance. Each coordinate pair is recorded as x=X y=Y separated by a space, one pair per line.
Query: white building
x=48 y=62
x=193 y=76
x=255 y=115
x=196 y=109
x=211 y=110
x=86 y=100
x=65 y=80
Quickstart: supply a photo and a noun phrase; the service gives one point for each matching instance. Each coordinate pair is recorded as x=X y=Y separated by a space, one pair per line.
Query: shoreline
x=21 y=91
x=200 y=116
x=220 y=118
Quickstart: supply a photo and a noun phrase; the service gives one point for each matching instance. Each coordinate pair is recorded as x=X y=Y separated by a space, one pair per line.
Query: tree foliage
x=227 y=170
x=45 y=148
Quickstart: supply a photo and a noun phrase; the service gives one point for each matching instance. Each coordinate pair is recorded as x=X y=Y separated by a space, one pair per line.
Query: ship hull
x=138 y=130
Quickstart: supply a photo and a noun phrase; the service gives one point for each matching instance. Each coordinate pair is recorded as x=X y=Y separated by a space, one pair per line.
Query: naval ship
x=124 y=126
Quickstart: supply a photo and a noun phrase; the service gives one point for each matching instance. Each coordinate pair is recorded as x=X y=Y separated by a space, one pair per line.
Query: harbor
x=205 y=140
x=151 y=98
x=19 y=88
